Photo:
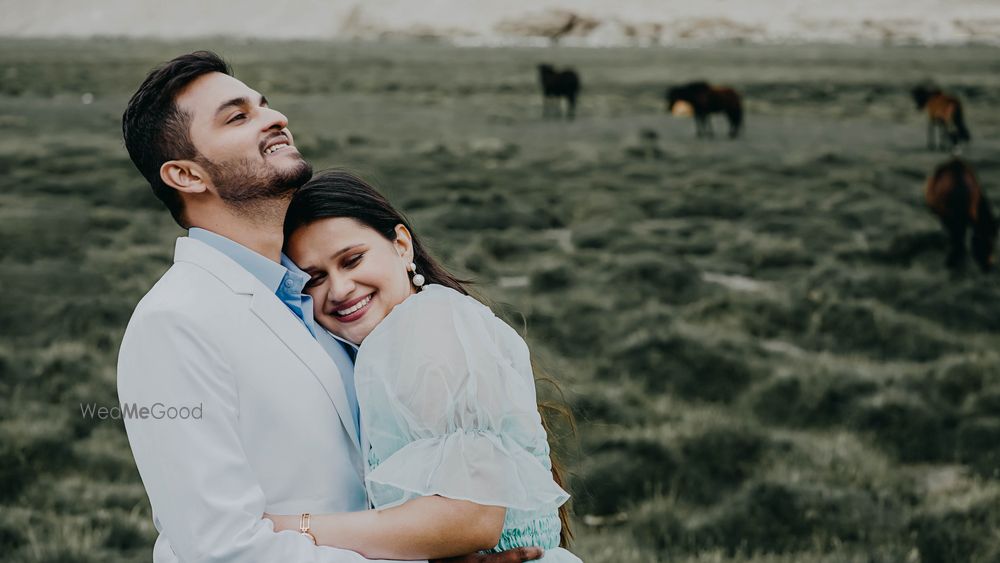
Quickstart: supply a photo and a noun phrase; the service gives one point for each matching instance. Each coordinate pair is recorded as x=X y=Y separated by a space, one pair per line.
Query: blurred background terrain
x=765 y=355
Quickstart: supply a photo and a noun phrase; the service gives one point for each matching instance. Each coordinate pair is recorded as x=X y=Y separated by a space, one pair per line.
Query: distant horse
x=705 y=100
x=953 y=193
x=944 y=114
x=555 y=85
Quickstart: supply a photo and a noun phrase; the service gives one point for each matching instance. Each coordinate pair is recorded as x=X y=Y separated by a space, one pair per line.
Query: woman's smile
x=354 y=309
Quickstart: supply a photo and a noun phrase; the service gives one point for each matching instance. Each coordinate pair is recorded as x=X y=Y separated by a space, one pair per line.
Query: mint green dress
x=447 y=401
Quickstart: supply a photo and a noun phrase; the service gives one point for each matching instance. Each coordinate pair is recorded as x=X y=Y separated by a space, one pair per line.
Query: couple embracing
x=356 y=402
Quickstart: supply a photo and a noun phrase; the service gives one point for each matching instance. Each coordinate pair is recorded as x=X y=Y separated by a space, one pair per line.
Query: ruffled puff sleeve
x=448 y=404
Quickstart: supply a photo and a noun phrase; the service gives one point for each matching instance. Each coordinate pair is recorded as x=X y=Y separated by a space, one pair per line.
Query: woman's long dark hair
x=339 y=193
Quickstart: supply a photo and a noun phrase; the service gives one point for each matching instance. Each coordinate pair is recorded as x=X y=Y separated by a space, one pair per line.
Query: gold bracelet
x=304 y=527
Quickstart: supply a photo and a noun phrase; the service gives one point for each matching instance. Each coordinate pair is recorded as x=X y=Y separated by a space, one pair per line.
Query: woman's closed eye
x=353 y=260
x=314 y=281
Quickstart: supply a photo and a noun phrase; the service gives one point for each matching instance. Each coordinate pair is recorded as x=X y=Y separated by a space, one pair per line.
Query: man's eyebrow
x=239 y=101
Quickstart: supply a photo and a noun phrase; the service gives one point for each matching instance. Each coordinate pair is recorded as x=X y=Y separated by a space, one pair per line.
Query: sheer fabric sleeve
x=448 y=404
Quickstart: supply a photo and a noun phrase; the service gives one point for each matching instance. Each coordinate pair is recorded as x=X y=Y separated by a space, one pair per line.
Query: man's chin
x=241 y=182
x=298 y=175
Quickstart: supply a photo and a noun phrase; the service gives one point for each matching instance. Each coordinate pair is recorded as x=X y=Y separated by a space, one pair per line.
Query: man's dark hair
x=156 y=130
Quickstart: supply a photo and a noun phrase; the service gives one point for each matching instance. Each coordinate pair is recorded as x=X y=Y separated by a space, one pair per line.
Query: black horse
x=555 y=85
x=954 y=194
x=705 y=100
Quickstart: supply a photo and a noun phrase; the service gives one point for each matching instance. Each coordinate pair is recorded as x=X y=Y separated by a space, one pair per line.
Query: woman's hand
x=421 y=528
x=283 y=522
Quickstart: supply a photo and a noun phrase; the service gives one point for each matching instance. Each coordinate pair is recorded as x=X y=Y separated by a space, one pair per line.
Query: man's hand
x=518 y=555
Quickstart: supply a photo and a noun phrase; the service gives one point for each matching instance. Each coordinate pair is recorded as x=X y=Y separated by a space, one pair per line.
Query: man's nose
x=274 y=119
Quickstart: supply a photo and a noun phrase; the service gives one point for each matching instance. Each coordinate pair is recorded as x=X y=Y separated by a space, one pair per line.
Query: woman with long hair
x=457 y=457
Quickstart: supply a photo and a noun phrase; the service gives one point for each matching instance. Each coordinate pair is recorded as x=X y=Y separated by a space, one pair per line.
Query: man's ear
x=184 y=176
x=404 y=242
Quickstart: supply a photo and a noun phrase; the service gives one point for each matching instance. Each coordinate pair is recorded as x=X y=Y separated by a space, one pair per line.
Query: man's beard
x=246 y=183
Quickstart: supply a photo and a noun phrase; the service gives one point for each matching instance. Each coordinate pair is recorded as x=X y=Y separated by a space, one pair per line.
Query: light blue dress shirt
x=287 y=281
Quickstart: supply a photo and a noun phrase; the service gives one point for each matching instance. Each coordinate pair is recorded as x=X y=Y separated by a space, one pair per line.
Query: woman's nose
x=340 y=289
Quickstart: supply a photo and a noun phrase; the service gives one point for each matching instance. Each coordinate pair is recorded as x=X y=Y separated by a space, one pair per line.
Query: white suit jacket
x=273 y=434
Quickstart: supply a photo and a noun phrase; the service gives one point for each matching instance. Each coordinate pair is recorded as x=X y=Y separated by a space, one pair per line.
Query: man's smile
x=276 y=143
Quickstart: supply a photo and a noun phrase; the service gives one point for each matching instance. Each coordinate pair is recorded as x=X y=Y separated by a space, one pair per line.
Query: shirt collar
x=269 y=273
x=301 y=278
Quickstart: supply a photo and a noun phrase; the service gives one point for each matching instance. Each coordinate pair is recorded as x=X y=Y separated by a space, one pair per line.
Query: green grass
x=766 y=358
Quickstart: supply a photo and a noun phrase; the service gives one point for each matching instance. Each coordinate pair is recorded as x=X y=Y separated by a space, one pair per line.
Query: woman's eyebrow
x=309 y=269
x=343 y=250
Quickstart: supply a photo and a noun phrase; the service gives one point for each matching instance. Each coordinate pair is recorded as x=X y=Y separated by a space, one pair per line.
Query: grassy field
x=767 y=361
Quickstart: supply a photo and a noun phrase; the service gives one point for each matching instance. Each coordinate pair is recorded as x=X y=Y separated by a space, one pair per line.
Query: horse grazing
x=704 y=100
x=953 y=193
x=555 y=85
x=944 y=113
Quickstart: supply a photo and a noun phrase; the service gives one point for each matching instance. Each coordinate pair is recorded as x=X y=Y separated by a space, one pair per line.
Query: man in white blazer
x=236 y=402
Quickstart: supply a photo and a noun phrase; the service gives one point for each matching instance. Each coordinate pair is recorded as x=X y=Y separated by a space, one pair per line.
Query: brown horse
x=953 y=193
x=944 y=113
x=705 y=100
x=555 y=85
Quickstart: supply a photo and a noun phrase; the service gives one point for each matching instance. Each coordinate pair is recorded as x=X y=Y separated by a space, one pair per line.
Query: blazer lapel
x=290 y=330
x=282 y=322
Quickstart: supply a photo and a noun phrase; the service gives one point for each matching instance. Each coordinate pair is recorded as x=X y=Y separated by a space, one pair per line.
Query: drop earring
x=417 y=280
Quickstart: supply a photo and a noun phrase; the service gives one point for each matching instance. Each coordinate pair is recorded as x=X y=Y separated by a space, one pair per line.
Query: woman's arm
x=423 y=528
